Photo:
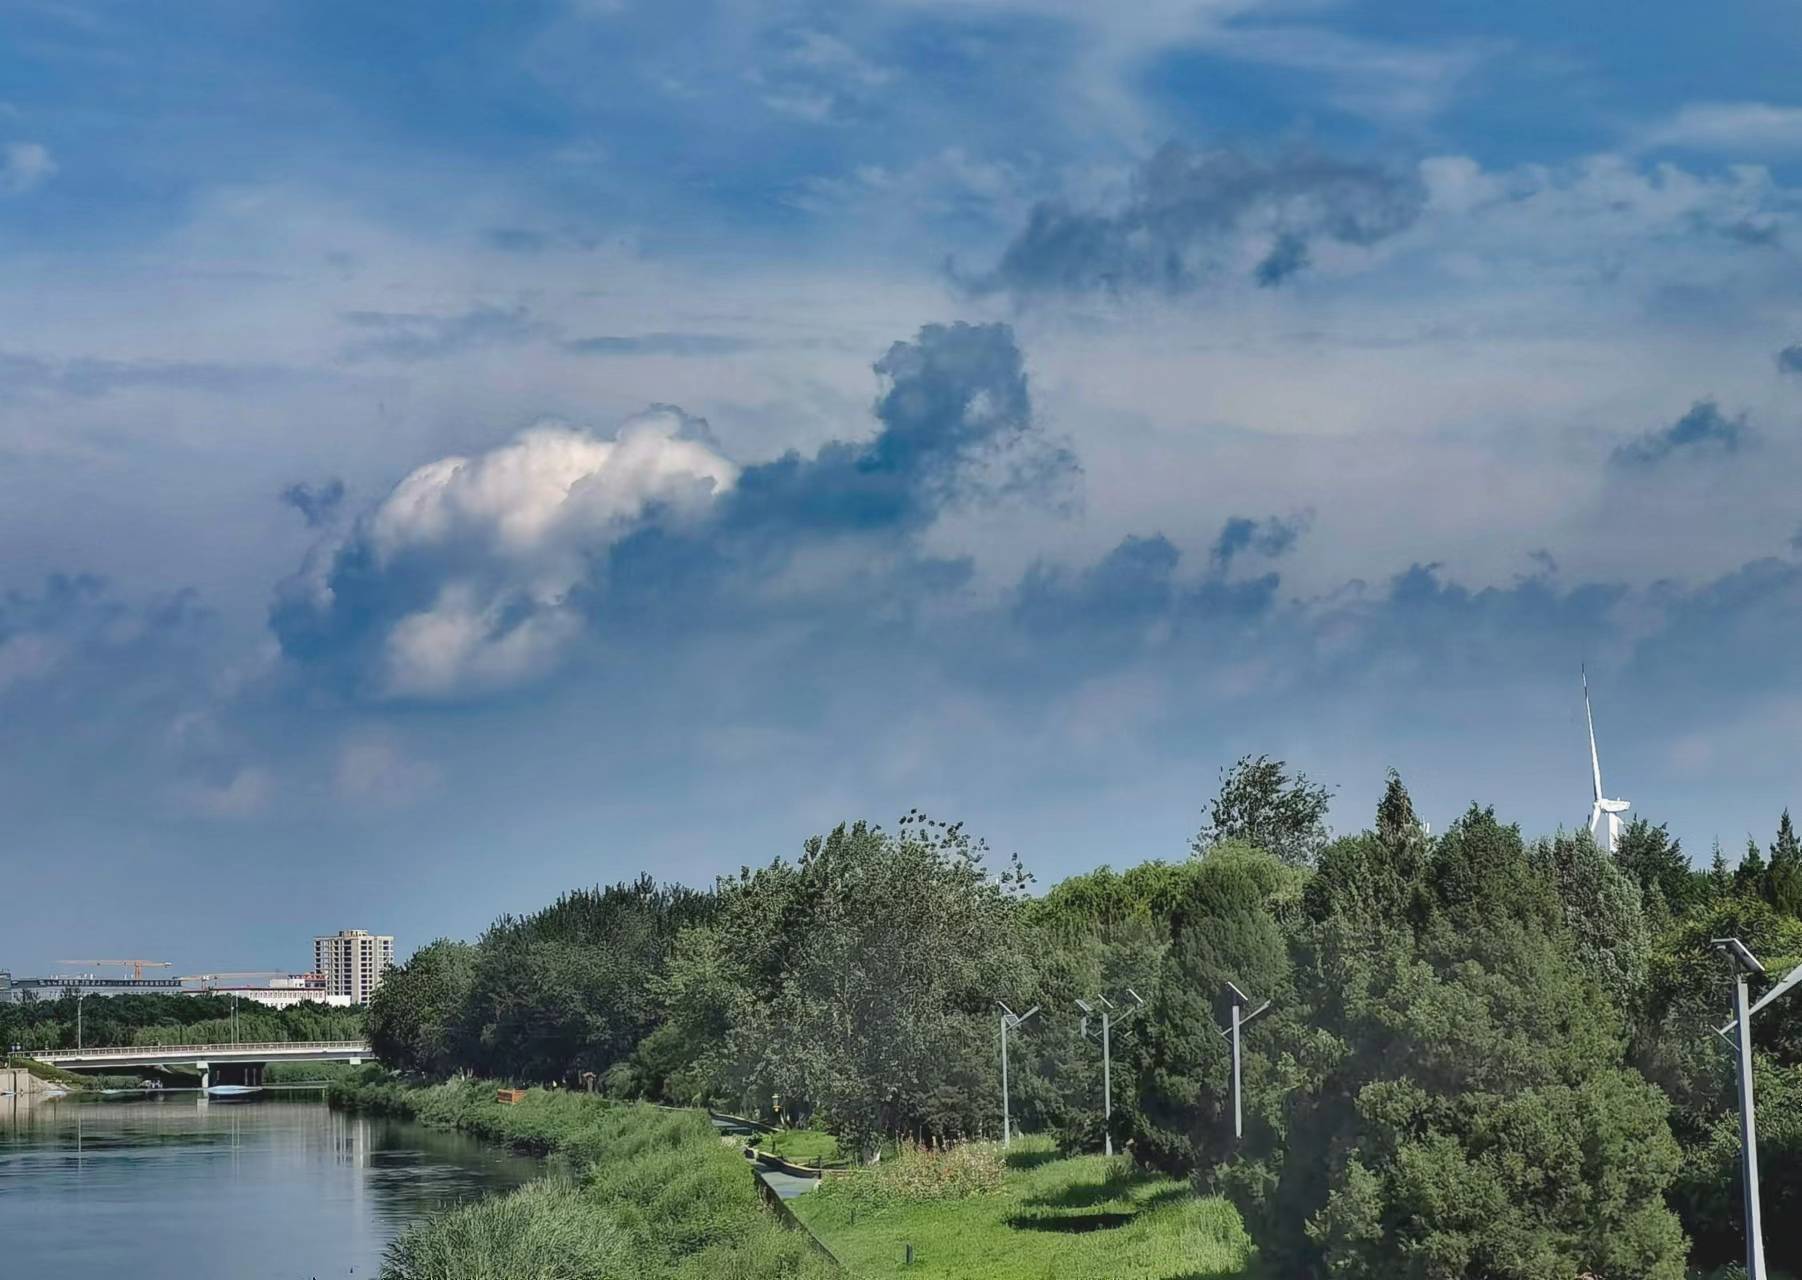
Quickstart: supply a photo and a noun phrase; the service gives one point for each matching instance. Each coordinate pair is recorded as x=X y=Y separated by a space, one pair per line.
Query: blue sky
x=453 y=453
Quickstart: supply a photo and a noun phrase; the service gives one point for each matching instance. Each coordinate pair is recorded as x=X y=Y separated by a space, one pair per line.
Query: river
x=277 y=1186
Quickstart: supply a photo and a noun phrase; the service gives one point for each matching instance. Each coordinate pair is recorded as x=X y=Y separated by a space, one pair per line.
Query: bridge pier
x=206 y=1075
x=246 y=1073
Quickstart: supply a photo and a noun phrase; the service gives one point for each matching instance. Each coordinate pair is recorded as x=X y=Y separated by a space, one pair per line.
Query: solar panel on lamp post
x=1239 y=1022
x=1738 y=1034
x=1108 y=1023
x=1010 y=1021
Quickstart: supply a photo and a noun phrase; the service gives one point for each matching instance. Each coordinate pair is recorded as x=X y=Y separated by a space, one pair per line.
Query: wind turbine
x=1605 y=816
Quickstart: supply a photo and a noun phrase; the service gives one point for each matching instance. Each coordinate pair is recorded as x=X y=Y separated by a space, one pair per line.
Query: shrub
x=920 y=1175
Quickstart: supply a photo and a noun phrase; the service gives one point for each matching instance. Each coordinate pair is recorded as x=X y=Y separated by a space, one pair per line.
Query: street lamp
x=1745 y=965
x=1108 y=1022
x=1010 y=1021
x=79 y=997
x=1239 y=1023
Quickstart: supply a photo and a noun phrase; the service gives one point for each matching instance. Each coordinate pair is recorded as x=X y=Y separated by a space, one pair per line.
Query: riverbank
x=977 y=1213
x=635 y=1190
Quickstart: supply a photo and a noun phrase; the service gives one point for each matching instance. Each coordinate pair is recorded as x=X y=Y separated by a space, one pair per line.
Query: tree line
x=167 y=1019
x=1486 y=1055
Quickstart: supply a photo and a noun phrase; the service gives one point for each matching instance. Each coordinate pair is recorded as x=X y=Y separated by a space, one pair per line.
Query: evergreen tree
x=1749 y=878
x=1476 y=1116
x=1720 y=879
x=1652 y=860
x=1784 y=876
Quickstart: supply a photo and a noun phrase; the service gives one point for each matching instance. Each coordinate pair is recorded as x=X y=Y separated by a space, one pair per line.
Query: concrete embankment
x=17 y=1080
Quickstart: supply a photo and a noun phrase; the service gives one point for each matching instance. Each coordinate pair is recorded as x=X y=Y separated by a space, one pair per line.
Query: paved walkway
x=786 y=1185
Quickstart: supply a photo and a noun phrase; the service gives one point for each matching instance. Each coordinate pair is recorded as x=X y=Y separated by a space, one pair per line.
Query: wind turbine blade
x=1595 y=760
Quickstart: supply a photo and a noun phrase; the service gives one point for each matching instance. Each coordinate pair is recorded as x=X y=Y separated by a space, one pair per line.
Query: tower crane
x=137 y=967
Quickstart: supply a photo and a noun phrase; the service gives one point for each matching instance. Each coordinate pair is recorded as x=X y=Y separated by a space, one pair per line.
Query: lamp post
x=1108 y=1023
x=1239 y=1022
x=1010 y=1021
x=79 y=997
x=1738 y=1034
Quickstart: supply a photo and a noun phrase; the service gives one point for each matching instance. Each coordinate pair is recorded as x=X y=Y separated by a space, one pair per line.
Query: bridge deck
x=152 y=1055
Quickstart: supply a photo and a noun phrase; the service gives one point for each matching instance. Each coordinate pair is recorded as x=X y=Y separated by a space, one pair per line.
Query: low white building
x=281 y=993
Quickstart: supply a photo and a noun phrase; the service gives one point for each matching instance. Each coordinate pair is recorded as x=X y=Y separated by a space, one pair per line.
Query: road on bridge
x=246 y=1060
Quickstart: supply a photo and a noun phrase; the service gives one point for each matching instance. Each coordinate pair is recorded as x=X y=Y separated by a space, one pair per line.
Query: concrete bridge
x=234 y=1063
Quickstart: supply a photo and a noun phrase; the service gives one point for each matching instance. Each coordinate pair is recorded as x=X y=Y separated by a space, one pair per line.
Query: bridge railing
x=356 y=1048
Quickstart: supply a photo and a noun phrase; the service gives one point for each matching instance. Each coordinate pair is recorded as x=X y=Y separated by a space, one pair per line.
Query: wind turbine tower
x=1605 y=816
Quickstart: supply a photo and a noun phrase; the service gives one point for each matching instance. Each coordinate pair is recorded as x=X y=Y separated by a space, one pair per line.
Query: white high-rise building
x=352 y=962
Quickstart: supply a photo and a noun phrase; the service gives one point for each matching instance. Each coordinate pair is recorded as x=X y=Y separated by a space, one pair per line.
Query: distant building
x=281 y=993
x=276 y=996
x=352 y=962
x=19 y=990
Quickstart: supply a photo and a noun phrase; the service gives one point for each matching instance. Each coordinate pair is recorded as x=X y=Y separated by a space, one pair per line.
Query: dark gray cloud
x=1286 y=257
x=954 y=426
x=409 y=336
x=1702 y=432
x=1271 y=536
x=75 y=638
x=657 y=344
x=1789 y=360
x=317 y=503
x=1192 y=213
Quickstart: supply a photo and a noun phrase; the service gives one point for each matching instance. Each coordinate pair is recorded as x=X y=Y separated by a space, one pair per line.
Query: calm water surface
x=277 y=1186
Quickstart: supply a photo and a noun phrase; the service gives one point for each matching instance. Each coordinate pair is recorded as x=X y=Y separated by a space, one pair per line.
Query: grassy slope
x=803 y=1146
x=52 y=1075
x=1087 y=1218
x=655 y=1196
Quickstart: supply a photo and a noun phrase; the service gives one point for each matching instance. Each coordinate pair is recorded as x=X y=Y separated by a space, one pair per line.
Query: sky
x=455 y=453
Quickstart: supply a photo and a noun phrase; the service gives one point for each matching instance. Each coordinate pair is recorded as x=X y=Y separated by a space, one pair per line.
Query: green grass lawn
x=1088 y=1218
x=803 y=1146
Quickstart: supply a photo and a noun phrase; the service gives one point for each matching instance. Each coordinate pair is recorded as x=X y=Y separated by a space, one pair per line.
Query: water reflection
x=174 y=1185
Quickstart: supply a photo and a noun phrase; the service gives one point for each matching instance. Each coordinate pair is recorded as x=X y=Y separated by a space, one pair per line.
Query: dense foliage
x=1485 y=1055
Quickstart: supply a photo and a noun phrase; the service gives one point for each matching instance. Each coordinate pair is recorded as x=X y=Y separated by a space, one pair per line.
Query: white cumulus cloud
x=506 y=534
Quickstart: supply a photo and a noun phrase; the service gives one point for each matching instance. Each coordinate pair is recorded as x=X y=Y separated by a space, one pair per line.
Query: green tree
x=570 y=989
x=1720 y=877
x=1784 y=876
x=417 y=1014
x=1750 y=878
x=1260 y=804
x=1707 y=1193
x=1602 y=911
x=1473 y=1114
x=1225 y=930
x=872 y=999
x=1656 y=864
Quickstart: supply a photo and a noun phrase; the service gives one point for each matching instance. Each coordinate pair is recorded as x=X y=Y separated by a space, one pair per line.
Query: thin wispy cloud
x=1745 y=128
x=24 y=166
